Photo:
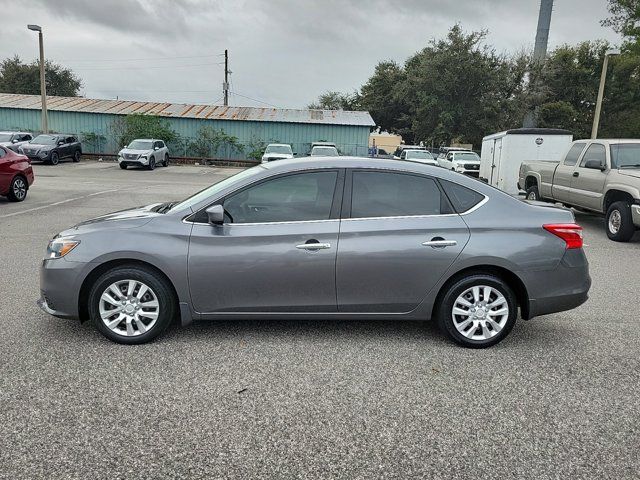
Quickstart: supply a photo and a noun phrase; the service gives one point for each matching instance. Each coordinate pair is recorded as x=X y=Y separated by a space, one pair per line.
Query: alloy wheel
x=531 y=196
x=19 y=188
x=480 y=312
x=615 y=221
x=129 y=308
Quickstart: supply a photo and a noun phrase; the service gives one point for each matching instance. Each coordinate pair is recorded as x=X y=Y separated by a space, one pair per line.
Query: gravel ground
x=305 y=399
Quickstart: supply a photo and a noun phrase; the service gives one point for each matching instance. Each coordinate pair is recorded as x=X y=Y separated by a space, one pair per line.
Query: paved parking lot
x=303 y=399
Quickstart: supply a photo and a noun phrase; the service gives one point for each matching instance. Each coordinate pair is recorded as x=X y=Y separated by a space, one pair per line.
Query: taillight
x=571 y=233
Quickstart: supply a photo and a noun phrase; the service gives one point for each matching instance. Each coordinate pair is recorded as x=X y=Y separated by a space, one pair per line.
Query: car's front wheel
x=77 y=156
x=152 y=163
x=477 y=311
x=533 y=193
x=131 y=304
x=166 y=160
x=123 y=166
x=55 y=158
x=619 y=222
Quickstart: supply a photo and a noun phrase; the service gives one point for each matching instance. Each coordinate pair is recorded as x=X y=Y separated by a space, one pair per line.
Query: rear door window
x=385 y=194
x=573 y=154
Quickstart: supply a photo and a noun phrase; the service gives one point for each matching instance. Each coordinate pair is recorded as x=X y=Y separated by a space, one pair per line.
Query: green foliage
x=210 y=141
x=625 y=20
x=23 y=78
x=256 y=148
x=94 y=141
x=336 y=101
x=137 y=125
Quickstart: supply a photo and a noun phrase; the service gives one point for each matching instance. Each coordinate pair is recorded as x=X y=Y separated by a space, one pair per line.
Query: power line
x=144 y=68
x=254 y=99
x=136 y=59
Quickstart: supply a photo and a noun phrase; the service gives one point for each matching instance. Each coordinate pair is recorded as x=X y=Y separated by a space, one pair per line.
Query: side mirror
x=215 y=214
x=156 y=148
x=126 y=146
x=15 y=140
x=595 y=164
x=60 y=143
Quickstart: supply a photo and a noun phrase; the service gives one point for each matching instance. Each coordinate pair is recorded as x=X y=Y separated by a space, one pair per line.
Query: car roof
x=14 y=132
x=415 y=150
x=279 y=145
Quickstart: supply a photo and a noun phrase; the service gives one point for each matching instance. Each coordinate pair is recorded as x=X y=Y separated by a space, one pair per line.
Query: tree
x=625 y=20
x=336 y=101
x=19 y=77
x=137 y=125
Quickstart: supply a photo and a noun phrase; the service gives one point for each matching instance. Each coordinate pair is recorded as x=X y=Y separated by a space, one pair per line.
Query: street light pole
x=603 y=77
x=43 y=85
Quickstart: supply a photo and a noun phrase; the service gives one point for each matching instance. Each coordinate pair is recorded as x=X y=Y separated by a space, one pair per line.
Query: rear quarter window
x=462 y=198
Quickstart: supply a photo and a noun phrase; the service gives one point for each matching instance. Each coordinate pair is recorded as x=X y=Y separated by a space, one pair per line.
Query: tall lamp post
x=43 y=86
x=603 y=77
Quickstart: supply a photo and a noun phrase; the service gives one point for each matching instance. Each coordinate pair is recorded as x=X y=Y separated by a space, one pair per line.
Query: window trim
x=336 y=203
x=348 y=195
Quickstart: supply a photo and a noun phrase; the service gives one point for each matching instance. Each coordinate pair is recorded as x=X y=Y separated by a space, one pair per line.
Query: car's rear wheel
x=76 y=156
x=166 y=160
x=477 y=311
x=619 y=222
x=131 y=304
x=533 y=193
x=55 y=159
x=18 y=189
x=152 y=163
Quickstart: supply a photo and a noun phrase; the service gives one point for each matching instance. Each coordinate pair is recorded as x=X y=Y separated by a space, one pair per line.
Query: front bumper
x=60 y=282
x=140 y=162
x=635 y=215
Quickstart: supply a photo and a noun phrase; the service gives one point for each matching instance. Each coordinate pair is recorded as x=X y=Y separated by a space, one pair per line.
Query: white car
x=144 y=152
x=277 y=151
x=324 y=151
x=421 y=156
x=13 y=140
x=462 y=162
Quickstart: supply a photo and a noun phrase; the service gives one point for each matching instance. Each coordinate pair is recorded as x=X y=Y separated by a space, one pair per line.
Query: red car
x=16 y=175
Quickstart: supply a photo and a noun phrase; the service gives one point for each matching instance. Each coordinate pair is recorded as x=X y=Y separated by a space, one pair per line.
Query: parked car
x=14 y=140
x=601 y=176
x=51 y=148
x=421 y=156
x=400 y=148
x=462 y=162
x=16 y=175
x=144 y=152
x=322 y=238
x=277 y=151
x=324 y=151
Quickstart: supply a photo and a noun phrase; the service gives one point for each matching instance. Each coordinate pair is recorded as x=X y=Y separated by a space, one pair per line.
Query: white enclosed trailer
x=503 y=152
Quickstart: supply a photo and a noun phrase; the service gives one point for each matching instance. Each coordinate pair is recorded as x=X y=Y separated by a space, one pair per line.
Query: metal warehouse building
x=82 y=116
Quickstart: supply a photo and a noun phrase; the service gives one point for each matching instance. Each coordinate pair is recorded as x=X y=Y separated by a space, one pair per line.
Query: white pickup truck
x=597 y=175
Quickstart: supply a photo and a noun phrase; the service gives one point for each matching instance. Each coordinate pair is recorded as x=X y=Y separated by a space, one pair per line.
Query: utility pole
x=43 y=85
x=603 y=77
x=225 y=85
x=539 y=53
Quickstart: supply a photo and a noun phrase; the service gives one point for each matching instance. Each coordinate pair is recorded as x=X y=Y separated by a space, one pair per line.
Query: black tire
x=166 y=310
x=533 y=193
x=166 y=160
x=455 y=289
x=77 y=156
x=18 y=189
x=152 y=163
x=55 y=158
x=123 y=166
x=619 y=211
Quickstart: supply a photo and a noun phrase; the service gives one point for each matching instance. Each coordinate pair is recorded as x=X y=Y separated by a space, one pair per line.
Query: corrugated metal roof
x=181 y=110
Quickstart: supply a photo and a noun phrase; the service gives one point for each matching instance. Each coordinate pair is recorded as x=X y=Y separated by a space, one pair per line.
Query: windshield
x=141 y=145
x=285 y=149
x=419 y=154
x=45 y=140
x=217 y=187
x=5 y=137
x=324 y=152
x=466 y=156
x=625 y=155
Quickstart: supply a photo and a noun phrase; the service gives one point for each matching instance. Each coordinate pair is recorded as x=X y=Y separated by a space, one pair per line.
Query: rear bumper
x=563 y=288
x=635 y=215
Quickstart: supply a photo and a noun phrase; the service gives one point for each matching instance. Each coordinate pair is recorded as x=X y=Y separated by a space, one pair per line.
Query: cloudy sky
x=282 y=52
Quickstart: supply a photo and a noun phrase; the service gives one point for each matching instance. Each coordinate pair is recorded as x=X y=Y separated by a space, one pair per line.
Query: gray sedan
x=325 y=238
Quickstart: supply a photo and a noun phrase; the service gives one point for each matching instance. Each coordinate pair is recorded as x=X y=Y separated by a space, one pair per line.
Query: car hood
x=135 y=152
x=131 y=218
x=6 y=144
x=37 y=146
x=630 y=172
x=277 y=155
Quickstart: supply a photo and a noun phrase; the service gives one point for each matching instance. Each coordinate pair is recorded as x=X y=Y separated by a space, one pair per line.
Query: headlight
x=59 y=247
x=142 y=157
x=20 y=149
x=42 y=153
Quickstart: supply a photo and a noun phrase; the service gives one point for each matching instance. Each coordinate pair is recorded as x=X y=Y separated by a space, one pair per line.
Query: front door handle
x=576 y=174
x=440 y=243
x=313 y=246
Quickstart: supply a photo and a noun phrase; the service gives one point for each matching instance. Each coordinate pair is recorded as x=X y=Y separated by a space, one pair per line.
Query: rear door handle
x=440 y=243
x=313 y=246
x=576 y=174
